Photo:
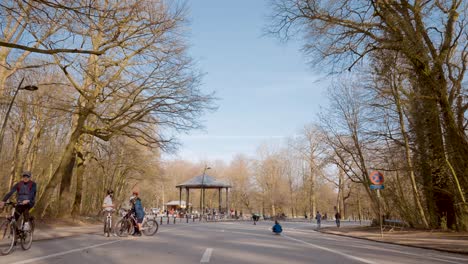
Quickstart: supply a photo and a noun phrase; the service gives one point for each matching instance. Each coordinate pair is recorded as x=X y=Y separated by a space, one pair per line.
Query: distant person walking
x=318 y=217
x=255 y=218
x=338 y=219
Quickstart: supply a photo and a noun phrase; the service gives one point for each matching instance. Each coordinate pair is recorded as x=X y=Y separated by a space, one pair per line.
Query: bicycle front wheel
x=27 y=236
x=7 y=237
x=150 y=227
x=124 y=227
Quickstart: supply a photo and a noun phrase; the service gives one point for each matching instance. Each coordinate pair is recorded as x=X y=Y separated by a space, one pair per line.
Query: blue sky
x=267 y=90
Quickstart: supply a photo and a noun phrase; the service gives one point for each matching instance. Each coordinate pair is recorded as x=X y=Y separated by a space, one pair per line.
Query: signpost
x=377 y=180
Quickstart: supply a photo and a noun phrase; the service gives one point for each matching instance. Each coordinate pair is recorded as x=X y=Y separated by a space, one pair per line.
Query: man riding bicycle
x=26 y=196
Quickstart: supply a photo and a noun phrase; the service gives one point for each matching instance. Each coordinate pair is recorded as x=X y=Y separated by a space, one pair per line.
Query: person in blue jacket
x=137 y=208
x=277 y=229
x=26 y=195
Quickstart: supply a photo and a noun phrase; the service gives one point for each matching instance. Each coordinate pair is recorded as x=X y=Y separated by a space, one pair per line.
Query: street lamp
x=28 y=88
x=202 y=196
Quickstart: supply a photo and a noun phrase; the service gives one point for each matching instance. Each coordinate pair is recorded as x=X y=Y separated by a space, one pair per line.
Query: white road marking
x=361 y=244
x=64 y=253
x=84 y=248
x=331 y=250
x=206 y=256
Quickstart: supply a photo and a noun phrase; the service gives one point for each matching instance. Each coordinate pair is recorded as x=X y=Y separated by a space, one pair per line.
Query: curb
x=399 y=244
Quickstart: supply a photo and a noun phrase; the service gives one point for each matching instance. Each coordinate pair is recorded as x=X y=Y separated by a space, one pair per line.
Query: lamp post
x=2 y=131
x=202 y=196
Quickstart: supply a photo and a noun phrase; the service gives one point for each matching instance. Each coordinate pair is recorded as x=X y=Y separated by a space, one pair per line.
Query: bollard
x=193 y=218
x=167 y=219
x=187 y=219
x=174 y=219
x=161 y=220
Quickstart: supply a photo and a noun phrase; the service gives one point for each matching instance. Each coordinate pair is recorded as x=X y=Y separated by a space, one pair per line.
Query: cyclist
x=137 y=209
x=26 y=195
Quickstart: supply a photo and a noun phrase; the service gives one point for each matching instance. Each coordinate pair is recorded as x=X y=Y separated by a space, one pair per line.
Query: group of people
x=136 y=208
x=26 y=190
x=318 y=217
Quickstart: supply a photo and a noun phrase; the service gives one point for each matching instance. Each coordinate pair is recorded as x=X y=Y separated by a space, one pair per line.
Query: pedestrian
x=338 y=219
x=255 y=218
x=318 y=217
x=137 y=209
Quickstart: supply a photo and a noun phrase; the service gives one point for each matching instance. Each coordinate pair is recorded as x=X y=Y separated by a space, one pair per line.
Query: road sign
x=376 y=187
x=376 y=178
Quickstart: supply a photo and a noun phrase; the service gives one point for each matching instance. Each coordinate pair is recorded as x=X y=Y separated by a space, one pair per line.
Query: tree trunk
x=63 y=173
x=34 y=148
x=16 y=157
x=80 y=169
x=409 y=162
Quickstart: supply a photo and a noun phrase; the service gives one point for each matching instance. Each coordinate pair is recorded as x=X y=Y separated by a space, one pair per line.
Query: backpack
x=18 y=187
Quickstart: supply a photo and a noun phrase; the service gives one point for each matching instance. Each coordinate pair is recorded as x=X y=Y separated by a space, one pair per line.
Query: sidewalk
x=44 y=233
x=438 y=240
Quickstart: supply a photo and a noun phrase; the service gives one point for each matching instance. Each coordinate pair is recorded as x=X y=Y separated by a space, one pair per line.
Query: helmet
x=132 y=198
x=135 y=193
x=110 y=192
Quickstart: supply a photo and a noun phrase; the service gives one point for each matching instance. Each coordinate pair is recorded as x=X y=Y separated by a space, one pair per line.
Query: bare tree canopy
x=423 y=45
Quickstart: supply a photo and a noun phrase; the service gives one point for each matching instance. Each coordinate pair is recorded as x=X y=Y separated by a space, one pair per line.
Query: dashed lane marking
x=206 y=256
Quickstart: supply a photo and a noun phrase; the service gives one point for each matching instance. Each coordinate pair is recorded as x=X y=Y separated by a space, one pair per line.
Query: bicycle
x=108 y=222
x=126 y=225
x=10 y=233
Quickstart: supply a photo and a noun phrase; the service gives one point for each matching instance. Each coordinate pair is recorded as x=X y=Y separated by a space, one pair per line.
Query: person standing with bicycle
x=137 y=208
x=26 y=197
x=108 y=204
x=108 y=208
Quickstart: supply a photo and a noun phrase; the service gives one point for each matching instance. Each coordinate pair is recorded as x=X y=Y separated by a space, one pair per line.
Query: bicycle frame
x=109 y=216
x=132 y=218
x=11 y=218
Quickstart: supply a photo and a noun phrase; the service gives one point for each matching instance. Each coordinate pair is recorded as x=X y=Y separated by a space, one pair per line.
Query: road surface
x=225 y=243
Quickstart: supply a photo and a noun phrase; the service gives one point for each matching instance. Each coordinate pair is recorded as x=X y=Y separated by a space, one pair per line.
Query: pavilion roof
x=205 y=181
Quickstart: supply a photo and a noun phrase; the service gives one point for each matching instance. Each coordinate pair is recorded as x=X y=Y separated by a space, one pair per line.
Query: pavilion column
x=204 y=202
x=187 y=202
x=180 y=197
x=227 y=201
x=219 y=202
x=201 y=198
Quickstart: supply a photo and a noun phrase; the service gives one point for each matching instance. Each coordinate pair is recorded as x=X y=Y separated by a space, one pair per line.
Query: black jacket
x=25 y=191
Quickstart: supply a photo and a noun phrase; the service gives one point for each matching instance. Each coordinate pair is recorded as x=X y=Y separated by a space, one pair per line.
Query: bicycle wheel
x=106 y=228
x=150 y=227
x=27 y=236
x=124 y=227
x=7 y=237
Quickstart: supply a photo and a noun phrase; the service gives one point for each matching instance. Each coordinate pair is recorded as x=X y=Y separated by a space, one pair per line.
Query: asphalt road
x=226 y=243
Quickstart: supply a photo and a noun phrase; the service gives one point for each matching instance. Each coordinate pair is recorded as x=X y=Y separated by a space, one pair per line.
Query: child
x=277 y=229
